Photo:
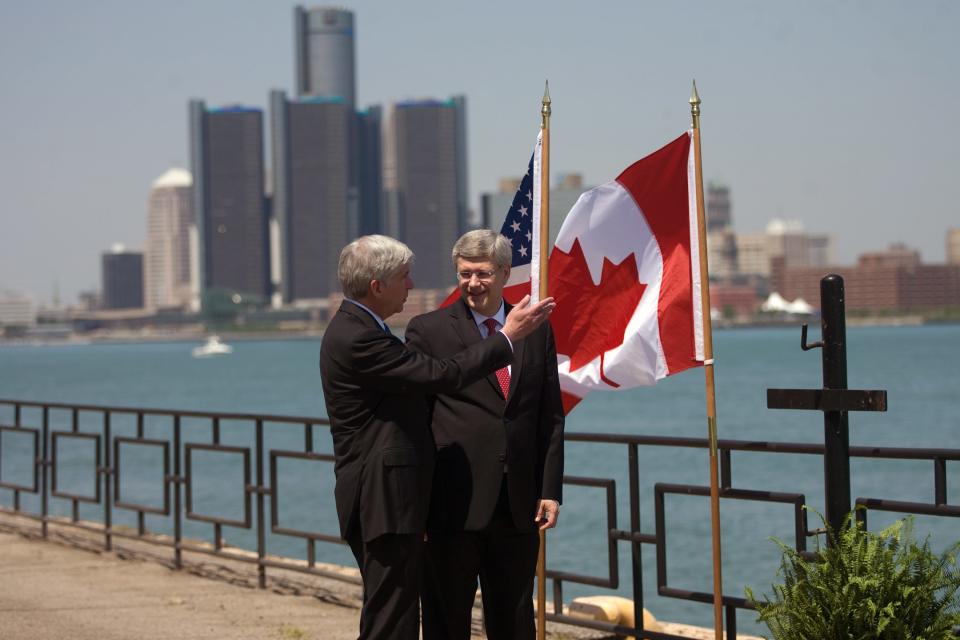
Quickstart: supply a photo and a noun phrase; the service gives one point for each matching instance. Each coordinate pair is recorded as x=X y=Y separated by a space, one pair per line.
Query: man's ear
x=506 y=275
x=376 y=287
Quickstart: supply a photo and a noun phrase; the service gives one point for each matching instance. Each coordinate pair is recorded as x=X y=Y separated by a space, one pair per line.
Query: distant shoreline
x=192 y=337
x=147 y=338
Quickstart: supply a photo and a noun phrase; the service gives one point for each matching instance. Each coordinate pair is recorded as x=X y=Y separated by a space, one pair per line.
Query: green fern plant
x=865 y=585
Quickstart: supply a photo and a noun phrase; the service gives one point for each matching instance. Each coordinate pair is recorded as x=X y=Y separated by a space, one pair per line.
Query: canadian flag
x=625 y=272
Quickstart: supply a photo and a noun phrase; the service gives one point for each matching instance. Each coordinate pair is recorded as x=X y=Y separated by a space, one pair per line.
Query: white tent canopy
x=775 y=303
x=800 y=307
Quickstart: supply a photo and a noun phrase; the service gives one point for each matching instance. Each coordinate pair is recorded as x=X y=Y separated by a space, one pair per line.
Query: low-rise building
x=17 y=310
x=892 y=280
x=786 y=239
x=953 y=246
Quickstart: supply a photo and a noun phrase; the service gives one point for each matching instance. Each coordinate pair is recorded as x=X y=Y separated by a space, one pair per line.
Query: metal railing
x=260 y=482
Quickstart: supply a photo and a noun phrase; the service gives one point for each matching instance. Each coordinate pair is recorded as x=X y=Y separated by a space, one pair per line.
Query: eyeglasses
x=482 y=276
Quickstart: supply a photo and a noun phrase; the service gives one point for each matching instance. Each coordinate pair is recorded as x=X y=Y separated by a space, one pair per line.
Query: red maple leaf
x=591 y=319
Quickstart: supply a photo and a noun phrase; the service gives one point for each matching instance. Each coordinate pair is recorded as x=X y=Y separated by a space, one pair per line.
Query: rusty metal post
x=836 y=460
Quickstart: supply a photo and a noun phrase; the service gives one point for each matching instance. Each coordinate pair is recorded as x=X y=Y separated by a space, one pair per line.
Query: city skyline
x=838 y=116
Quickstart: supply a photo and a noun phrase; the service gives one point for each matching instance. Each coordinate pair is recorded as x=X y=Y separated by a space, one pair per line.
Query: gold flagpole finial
x=695 y=106
x=545 y=109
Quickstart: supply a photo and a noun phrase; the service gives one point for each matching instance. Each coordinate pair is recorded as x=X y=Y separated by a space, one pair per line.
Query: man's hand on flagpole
x=547 y=513
x=525 y=317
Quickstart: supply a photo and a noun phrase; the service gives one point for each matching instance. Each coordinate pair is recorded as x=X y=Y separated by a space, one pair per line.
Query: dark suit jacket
x=374 y=388
x=477 y=432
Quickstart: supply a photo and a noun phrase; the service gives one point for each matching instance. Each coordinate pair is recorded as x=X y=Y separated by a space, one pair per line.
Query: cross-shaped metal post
x=835 y=400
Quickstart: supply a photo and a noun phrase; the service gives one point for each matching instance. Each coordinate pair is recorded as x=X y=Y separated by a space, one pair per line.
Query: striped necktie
x=503 y=375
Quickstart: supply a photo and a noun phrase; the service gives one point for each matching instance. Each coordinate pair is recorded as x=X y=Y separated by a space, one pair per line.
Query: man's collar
x=500 y=316
x=379 y=320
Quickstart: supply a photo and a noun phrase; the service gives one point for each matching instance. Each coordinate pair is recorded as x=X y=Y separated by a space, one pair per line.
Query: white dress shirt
x=500 y=316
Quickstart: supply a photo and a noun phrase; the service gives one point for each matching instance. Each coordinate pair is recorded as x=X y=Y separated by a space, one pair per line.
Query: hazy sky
x=840 y=114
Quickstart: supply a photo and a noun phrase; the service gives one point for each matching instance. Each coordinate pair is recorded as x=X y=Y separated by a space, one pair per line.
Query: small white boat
x=213 y=347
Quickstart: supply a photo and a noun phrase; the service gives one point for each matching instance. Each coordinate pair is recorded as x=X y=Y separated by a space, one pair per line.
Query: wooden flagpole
x=545 y=112
x=708 y=373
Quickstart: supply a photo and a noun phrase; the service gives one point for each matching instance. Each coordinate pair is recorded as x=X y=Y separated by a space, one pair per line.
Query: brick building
x=892 y=280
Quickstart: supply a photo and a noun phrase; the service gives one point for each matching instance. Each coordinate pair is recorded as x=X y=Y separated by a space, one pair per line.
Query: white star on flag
x=516 y=227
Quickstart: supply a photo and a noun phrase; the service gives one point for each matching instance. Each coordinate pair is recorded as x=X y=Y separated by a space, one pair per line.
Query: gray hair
x=483 y=244
x=369 y=258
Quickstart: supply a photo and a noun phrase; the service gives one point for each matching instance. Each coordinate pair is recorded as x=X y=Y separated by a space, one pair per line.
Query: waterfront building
x=313 y=203
x=753 y=254
x=89 y=300
x=325 y=60
x=722 y=254
x=721 y=240
x=121 y=278
x=226 y=153
x=953 y=246
x=719 y=209
x=424 y=165
x=17 y=310
x=563 y=195
x=786 y=239
x=167 y=259
x=734 y=301
x=891 y=280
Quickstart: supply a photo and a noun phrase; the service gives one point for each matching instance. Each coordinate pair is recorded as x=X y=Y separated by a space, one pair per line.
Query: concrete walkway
x=67 y=586
x=53 y=589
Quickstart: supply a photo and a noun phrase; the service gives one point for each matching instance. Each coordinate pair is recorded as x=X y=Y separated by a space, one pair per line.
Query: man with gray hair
x=499 y=467
x=374 y=389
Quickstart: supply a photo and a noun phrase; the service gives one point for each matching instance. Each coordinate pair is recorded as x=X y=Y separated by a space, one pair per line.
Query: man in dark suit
x=374 y=390
x=499 y=466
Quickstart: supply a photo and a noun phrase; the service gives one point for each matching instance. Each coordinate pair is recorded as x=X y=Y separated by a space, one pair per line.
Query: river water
x=918 y=366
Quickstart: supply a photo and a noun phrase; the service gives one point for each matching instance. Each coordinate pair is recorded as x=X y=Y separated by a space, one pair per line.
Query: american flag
x=518 y=228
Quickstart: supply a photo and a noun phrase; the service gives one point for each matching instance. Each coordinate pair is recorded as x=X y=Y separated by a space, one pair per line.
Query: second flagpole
x=544 y=239
x=708 y=373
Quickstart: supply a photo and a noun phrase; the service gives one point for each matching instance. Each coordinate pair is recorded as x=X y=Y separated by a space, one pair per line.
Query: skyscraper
x=227 y=164
x=325 y=53
x=369 y=177
x=325 y=68
x=167 y=268
x=122 y=278
x=312 y=199
x=425 y=182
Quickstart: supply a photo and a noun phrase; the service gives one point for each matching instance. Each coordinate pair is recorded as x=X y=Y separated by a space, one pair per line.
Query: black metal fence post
x=835 y=400
x=107 y=472
x=45 y=474
x=836 y=431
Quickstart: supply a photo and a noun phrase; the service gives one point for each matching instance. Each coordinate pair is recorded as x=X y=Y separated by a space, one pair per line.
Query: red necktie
x=503 y=375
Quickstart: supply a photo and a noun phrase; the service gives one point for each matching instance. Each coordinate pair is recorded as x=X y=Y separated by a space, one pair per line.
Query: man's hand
x=525 y=317
x=547 y=513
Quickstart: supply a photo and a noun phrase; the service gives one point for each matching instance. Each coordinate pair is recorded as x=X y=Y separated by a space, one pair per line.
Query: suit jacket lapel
x=466 y=327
